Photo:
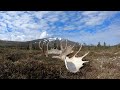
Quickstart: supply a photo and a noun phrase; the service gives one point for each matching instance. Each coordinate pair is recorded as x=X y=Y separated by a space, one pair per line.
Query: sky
x=88 y=27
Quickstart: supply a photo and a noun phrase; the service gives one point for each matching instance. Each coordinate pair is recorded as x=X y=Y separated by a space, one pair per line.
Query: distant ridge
x=36 y=41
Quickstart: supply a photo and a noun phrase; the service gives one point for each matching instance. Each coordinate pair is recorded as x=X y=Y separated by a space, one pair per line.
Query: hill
x=35 y=43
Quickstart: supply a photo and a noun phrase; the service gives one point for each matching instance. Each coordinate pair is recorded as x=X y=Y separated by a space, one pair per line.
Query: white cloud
x=29 y=25
x=111 y=35
x=21 y=25
x=26 y=36
x=69 y=28
x=92 y=18
x=40 y=14
x=43 y=34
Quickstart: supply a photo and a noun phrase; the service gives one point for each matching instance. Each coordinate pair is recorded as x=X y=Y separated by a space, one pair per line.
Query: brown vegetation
x=22 y=64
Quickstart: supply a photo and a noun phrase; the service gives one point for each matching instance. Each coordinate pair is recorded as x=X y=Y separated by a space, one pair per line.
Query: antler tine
x=73 y=46
x=78 y=51
x=39 y=45
x=66 y=44
x=85 y=55
x=47 y=49
x=61 y=47
x=47 y=45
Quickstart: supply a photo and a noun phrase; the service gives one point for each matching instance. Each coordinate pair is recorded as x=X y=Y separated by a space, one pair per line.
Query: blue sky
x=88 y=27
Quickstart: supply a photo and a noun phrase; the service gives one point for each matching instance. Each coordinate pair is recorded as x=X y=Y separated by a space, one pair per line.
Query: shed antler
x=52 y=50
x=61 y=53
x=64 y=52
x=43 y=47
x=73 y=64
x=39 y=45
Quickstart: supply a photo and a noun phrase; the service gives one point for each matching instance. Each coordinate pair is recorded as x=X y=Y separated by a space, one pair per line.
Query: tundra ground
x=104 y=63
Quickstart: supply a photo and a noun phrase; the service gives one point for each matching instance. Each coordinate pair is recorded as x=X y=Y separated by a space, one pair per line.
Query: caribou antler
x=53 y=51
x=42 y=48
x=39 y=45
x=64 y=52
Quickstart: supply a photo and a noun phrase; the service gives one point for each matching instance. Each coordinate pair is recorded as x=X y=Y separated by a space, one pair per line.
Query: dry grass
x=23 y=64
